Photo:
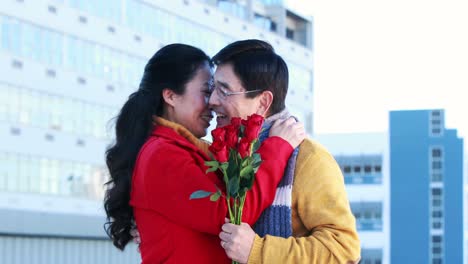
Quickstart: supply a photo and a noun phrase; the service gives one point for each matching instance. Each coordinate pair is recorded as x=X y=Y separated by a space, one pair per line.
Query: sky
x=371 y=57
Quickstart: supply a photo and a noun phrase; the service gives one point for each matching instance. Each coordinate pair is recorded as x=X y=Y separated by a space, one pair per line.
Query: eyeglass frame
x=225 y=94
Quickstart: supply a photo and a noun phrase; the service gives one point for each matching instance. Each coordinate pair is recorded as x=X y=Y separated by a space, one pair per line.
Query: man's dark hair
x=257 y=66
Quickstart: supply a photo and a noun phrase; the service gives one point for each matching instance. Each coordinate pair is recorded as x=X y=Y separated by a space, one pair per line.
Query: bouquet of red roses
x=234 y=154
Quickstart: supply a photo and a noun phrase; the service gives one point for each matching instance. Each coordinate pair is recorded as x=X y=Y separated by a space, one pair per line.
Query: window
x=436 y=131
x=357 y=169
x=436 y=191
x=437 y=214
x=436 y=165
x=347 y=169
x=436 y=239
x=377 y=168
x=367 y=168
x=437 y=225
x=436 y=202
x=378 y=214
x=436 y=177
x=367 y=214
x=289 y=33
x=436 y=152
x=436 y=122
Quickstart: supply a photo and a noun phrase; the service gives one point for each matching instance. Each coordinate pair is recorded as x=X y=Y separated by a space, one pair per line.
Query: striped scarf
x=276 y=220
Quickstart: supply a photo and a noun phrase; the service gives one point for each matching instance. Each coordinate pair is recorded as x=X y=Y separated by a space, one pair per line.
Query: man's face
x=227 y=106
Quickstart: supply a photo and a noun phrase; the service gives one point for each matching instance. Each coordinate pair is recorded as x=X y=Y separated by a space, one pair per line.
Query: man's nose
x=213 y=99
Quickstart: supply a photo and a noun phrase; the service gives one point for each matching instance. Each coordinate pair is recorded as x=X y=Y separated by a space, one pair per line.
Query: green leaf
x=246 y=171
x=233 y=168
x=233 y=186
x=224 y=166
x=215 y=196
x=256 y=157
x=243 y=183
x=256 y=145
x=211 y=169
x=242 y=191
x=250 y=183
x=212 y=163
x=257 y=160
x=199 y=195
x=245 y=162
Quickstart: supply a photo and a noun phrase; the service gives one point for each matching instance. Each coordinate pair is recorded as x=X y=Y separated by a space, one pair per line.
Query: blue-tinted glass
x=4 y=22
x=99 y=62
x=42 y=45
x=86 y=50
x=69 y=57
x=46 y=47
x=12 y=172
x=23 y=181
x=15 y=30
x=3 y=170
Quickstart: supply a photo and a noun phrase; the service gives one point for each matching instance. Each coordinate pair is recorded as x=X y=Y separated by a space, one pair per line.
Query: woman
x=158 y=160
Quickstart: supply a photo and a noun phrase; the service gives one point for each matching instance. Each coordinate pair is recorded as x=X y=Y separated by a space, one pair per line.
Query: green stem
x=228 y=196
x=241 y=208
x=236 y=209
x=231 y=216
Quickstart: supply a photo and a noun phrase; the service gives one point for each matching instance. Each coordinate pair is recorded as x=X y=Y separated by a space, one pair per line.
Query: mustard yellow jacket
x=324 y=229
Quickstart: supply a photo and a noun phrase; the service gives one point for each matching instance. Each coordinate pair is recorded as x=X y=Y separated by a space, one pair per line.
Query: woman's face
x=191 y=108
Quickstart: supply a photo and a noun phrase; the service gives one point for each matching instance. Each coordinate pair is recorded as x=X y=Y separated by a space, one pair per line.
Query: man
x=310 y=220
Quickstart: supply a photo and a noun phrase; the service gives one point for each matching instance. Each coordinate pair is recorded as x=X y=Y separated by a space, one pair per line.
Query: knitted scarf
x=276 y=220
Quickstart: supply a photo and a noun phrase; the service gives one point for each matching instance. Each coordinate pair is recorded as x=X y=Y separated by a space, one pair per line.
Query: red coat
x=174 y=229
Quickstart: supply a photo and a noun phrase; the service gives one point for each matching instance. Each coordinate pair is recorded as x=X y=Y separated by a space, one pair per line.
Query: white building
x=66 y=68
x=364 y=161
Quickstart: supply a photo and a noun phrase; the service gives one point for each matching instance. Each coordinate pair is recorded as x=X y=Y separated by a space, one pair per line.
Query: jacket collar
x=178 y=133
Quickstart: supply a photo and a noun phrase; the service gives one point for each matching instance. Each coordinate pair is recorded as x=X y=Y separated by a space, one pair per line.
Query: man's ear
x=169 y=96
x=265 y=101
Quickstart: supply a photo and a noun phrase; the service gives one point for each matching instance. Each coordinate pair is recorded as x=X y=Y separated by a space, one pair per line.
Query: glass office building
x=67 y=66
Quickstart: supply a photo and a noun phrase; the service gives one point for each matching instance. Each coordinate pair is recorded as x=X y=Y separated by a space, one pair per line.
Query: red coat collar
x=170 y=134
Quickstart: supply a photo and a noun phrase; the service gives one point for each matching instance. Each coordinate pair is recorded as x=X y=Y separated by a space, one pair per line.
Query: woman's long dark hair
x=172 y=67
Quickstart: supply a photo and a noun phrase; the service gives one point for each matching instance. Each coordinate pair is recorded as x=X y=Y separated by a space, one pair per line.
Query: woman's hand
x=237 y=241
x=290 y=130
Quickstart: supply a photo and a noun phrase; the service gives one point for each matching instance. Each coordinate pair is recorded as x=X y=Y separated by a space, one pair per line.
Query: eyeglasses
x=223 y=94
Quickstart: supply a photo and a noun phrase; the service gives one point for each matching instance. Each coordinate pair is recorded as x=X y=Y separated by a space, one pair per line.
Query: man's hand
x=237 y=241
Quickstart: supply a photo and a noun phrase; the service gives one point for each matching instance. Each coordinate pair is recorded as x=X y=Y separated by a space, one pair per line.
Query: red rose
x=218 y=134
x=232 y=136
x=236 y=122
x=253 y=126
x=219 y=150
x=244 y=147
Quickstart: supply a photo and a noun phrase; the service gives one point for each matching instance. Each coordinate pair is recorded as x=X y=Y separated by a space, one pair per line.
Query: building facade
x=426 y=189
x=66 y=68
x=363 y=161
x=406 y=189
